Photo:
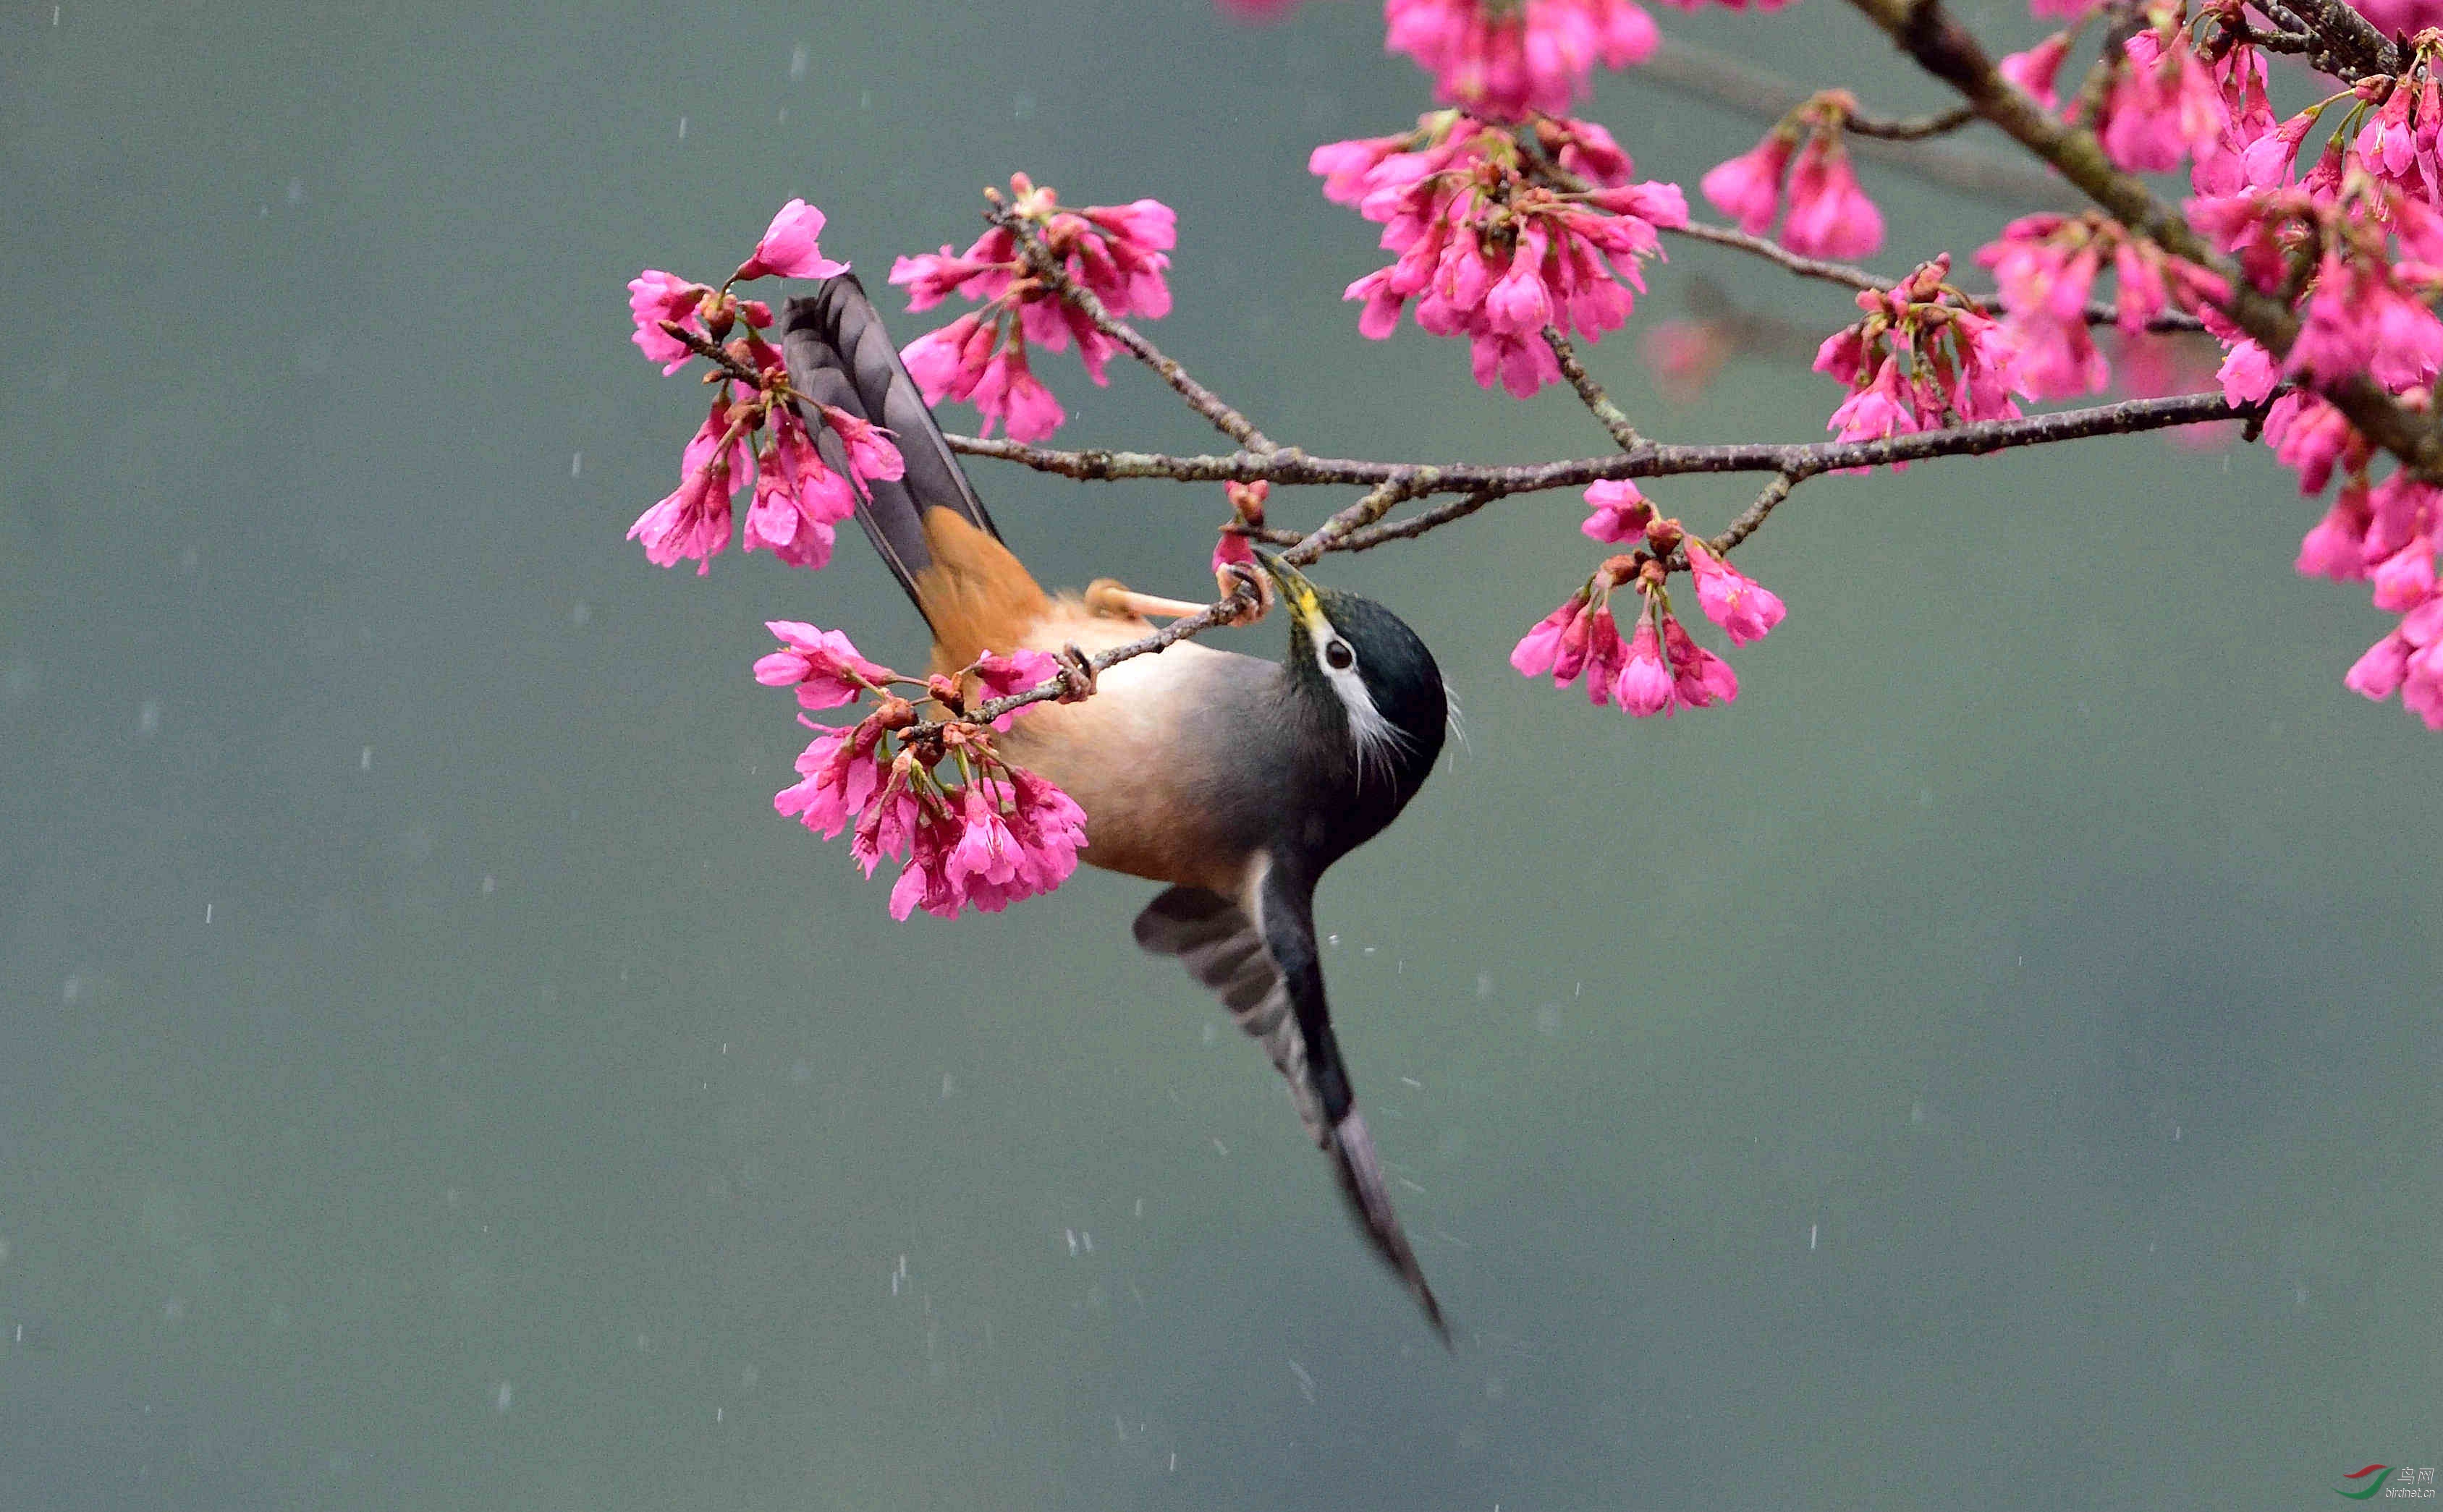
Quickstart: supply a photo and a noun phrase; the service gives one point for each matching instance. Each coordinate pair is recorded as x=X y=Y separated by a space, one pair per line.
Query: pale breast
x=1153 y=756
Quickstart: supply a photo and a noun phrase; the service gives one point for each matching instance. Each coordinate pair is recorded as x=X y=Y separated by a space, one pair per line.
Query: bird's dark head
x=1360 y=666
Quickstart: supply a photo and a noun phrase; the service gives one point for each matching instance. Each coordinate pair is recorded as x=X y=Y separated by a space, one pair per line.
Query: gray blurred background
x=1991 y=1064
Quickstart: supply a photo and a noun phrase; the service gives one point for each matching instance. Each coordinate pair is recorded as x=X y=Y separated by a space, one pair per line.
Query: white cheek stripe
x=1377 y=739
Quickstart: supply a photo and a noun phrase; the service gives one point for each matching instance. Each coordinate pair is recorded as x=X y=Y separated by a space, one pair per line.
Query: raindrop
x=148 y=719
x=580 y=613
x=1022 y=106
x=681 y=128
x=364 y=758
x=500 y=1398
x=1484 y=984
x=577 y=464
x=489 y=885
x=296 y=191
x=865 y=100
x=1916 y=1113
x=1810 y=1234
x=1209 y=1034
x=798 y=58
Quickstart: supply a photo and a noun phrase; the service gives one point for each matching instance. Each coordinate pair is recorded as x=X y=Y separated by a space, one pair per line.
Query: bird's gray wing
x=839 y=355
x=1268 y=977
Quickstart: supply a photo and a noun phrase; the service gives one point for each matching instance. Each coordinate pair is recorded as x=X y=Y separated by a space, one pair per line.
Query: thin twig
x=1415 y=524
x=1749 y=518
x=1909 y=128
x=1199 y=398
x=1649 y=459
x=2098 y=313
x=714 y=353
x=1377 y=503
x=1591 y=393
x=1742 y=86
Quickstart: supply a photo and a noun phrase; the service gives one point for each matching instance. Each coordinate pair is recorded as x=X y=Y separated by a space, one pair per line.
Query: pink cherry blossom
x=1830 y=216
x=692 y=523
x=653 y=297
x=1744 y=609
x=787 y=248
x=1120 y=254
x=823 y=666
x=2034 y=70
x=1606 y=655
x=837 y=778
x=1881 y=409
x=799 y=501
x=2163 y=103
x=870 y=452
x=1488 y=254
x=998 y=674
x=1697 y=676
x=2311 y=438
x=1540 y=647
x=1684 y=357
x=1645 y=686
x=1621 y=513
x=1748 y=188
x=2336 y=548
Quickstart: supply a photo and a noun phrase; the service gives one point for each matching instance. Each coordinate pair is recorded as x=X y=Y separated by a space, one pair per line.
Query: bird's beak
x=1293 y=583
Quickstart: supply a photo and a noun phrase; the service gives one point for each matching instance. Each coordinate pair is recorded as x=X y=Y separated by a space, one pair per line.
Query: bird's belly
x=1134 y=757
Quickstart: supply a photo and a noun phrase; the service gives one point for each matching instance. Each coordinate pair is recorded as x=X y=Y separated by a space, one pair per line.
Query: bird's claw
x=1235 y=577
x=1076 y=674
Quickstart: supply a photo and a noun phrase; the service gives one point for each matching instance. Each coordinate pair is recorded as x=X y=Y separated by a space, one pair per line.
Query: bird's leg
x=1109 y=598
x=1076 y=674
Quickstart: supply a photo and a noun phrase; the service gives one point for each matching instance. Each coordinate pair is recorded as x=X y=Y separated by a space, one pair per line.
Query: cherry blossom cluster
x=1119 y=252
x=1829 y=215
x=1486 y=248
x=1507 y=59
x=970 y=830
x=2046 y=267
x=1925 y=355
x=755 y=432
x=1659 y=668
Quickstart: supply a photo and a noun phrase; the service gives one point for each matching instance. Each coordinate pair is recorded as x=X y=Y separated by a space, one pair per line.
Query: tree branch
x=1591 y=391
x=1199 y=398
x=1647 y=460
x=1944 y=49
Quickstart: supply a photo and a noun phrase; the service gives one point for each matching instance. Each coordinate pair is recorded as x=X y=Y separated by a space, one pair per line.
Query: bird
x=1234 y=781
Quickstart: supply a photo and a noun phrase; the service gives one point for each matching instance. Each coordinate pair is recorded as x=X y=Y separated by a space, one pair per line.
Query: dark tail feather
x=839 y=355
x=1223 y=948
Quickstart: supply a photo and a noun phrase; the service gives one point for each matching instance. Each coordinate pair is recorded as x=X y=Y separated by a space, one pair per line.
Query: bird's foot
x=1236 y=577
x=1076 y=674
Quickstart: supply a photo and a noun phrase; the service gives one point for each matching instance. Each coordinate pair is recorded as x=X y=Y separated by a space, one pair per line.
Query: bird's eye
x=1338 y=654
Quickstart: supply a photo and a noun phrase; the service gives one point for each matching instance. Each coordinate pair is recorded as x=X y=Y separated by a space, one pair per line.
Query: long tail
x=839 y=355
